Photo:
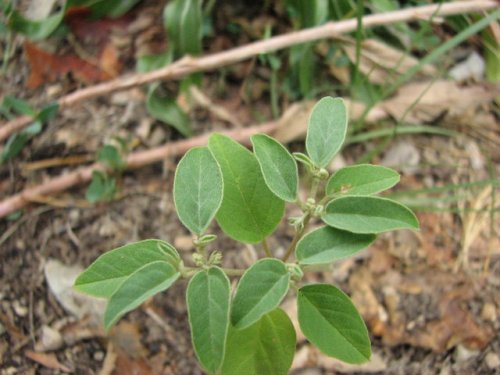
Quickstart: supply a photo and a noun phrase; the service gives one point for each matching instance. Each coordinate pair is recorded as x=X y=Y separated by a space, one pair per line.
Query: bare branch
x=190 y=65
x=134 y=160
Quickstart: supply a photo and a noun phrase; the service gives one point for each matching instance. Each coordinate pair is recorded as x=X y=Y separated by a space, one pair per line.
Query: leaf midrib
x=238 y=185
x=318 y=309
x=264 y=296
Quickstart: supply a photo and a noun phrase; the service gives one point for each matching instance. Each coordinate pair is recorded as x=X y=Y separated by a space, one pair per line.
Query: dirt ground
x=430 y=298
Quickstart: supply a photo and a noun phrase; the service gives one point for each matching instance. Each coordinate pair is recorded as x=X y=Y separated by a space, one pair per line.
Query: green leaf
x=277 y=165
x=362 y=179
x=35 y=30
x=112 y=8
x=110 y=156
x=197 y=189
x=208 y=297
x=103 y=277
x=152 y=62
x=302 y=67
x=145 y=282
x=260 y=290
x=304 y=159
x=249 y=211
x=330 y=321
x=20 y=106
x=17 y=141
x=184 y=21
x=326 y=130
x=265 y=348
x=101 y=188
x=48 y=112
x=368 y=215
x=326 y=244
x=168 y=111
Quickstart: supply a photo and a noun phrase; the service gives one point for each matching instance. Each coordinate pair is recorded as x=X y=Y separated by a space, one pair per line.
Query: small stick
x=189 y=65
x=134 y=160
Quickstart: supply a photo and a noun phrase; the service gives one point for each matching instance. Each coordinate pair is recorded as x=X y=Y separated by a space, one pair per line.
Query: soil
x=430 y=299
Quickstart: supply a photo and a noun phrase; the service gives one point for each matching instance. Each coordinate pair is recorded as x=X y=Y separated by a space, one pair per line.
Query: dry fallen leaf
x=126 y=354
x=382 y=63
x=47 y=360
x=46 y=67
x=60 y=279
x=430 y=100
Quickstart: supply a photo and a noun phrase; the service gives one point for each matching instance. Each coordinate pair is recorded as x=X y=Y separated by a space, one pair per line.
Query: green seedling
x=11 y=107
x=244 y=331
x=103 y=186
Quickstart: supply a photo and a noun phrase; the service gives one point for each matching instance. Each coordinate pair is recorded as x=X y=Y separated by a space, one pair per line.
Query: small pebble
x=462 y=354
x=50 y=339
x=99 y=356
x=19 y=309
x=489 y=312
x=492 y=361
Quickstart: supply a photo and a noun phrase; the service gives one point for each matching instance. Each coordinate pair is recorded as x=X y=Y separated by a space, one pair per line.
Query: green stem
x=7 y=52
x=265 y=246
x=297 y=237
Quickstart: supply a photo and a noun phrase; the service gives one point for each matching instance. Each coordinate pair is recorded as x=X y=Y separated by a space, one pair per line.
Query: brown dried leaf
x=47 y=360
x=430 y=100
x=46 y=67
x=382 y=63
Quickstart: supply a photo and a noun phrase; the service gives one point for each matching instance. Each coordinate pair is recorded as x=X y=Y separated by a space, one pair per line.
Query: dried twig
x=190 y=65
x=135 y=160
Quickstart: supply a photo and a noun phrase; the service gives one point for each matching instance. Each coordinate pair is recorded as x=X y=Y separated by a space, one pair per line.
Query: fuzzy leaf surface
x=326 y=130
x=265 y=348
x=330 y=321
x=139 y=286
x=327 y=244
x=363 y=179
x=208 y=298
x=103 y=277
x=277 y=165
x=197 y=189
x=260 y=290
x=361 y=214
x=249 y=211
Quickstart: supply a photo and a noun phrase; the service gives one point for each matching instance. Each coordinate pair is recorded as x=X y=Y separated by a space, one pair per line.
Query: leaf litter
x=410 y=316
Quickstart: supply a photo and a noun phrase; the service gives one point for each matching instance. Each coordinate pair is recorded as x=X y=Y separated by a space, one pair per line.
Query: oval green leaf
x=197 y=189
x=260 y=290
x=326 y=130
x=330 y=321
x=167 y=110
x=327 y=244
x=36 y=30
x=208 y=297
x=138 y=287
x=362 y=179
x=183 y=21
x=265 y=348
x=277 y=165
x=249 y=211
x=110 y=270
x=360 y=214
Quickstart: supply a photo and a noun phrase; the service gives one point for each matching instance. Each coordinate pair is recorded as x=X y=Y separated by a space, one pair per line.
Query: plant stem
x=265 y=246
x=297 y=237
x=314 y=188
x=186 y=66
